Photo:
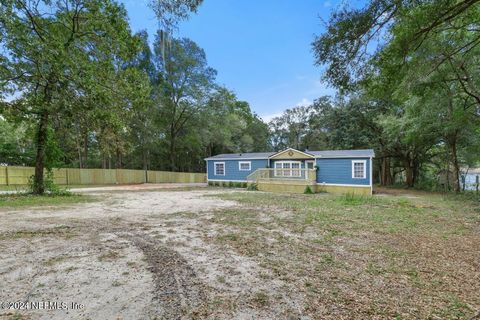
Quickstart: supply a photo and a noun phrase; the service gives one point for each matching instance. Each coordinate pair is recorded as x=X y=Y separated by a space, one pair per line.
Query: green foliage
x=56 y=69
x=252 y=187
x=415 y=67
x=231 y=184
x=308 y=190
x=50 y=186
x=170 y=12
x=16 y=146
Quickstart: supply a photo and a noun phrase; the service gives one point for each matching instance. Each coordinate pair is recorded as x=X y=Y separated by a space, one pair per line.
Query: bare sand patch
x=132 y=255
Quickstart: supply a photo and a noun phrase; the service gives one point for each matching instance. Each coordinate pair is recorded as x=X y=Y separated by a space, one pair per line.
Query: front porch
x=293 y=180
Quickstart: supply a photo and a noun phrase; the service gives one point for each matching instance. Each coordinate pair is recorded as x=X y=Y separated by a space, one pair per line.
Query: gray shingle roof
x=343 y=153
x=248 y=155
x=367 y=153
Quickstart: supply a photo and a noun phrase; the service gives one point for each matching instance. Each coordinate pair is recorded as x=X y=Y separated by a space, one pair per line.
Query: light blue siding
x=231 y=169
x=339 y=171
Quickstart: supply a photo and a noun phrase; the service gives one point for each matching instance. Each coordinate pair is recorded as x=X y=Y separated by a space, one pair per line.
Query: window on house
x=219 y=168
x=359 y=169
x=244 y=166
x=287 y=169
x=310 y=164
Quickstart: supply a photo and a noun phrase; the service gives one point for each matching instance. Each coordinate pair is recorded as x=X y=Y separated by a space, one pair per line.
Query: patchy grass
x=57 y=231
x=384 y=256
x=28 y=200
x=111 y=255
x=17 y=188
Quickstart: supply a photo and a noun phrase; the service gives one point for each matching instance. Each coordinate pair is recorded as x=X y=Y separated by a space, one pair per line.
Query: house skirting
x=360 y=190
x=284 y=186
x=299 y=187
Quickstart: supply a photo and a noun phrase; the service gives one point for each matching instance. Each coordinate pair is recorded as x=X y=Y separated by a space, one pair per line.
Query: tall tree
x=183 y=86
x=57 y=50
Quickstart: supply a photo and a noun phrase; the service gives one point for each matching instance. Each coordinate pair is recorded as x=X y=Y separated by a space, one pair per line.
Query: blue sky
x=261 y=49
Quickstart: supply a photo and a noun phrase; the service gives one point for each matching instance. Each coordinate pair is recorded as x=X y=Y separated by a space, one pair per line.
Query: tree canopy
x=79 y=89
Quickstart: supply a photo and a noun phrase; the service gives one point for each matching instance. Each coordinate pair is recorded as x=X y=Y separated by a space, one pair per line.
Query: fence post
x=66 y=176
x=6 y=175
x=477 y=178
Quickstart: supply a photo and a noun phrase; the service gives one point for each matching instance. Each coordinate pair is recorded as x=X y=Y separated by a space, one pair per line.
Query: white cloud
x=268 y=117
x=303 y=102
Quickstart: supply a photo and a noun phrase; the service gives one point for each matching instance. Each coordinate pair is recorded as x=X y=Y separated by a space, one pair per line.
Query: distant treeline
x=79 y=89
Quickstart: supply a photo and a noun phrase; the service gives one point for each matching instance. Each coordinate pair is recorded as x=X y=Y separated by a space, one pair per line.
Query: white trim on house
x=225 y=180
x=244 y=162
x=313 y=157
x=341 y=157
x=343 y=185
x=291 y=149
x=364 y=175
x=215 y=168
x=371 y=176
x=233 y=159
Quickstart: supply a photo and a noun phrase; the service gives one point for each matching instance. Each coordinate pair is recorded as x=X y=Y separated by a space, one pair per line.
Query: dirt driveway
x=132 y=255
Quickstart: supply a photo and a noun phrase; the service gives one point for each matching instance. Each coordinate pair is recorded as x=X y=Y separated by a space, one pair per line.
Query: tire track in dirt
x=178 y=290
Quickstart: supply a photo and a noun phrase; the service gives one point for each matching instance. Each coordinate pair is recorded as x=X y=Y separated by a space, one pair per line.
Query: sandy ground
x=120 y=187
x=132 y=255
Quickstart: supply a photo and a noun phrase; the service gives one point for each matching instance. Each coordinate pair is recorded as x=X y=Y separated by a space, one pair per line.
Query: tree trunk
x=409 y=174
x=38 y=181
x=118 y=164
x=85 y=149
x=172 y=149
x=386 y=175
x=79 y=151
x=456 y=168
x=144 y=158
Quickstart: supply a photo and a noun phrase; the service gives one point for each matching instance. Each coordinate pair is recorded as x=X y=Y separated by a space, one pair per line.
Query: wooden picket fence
x=72 y=176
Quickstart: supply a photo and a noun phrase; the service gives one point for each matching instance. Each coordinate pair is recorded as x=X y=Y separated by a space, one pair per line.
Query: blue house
x=291 y=170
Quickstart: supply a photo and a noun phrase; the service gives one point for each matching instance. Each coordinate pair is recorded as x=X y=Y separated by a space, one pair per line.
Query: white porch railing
x=282 y=174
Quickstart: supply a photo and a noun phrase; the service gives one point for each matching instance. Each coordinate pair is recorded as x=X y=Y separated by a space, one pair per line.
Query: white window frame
x=245 y=162
x=364 y=162
x=290 y=170
x=310 y=161
x=215 y=168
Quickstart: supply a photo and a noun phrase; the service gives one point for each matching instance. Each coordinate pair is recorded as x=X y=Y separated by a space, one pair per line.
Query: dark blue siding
x=231 y=169
x=339 y=171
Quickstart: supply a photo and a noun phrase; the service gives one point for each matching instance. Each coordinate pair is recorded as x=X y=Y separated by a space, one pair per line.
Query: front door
x=309 y=164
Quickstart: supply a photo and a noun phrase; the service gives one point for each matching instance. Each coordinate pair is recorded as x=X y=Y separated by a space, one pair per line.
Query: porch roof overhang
x=291 y=153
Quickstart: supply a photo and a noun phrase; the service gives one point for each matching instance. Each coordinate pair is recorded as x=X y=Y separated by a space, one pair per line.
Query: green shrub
x=211 y=183
x=252 y=187
x=231 y=184
x=238 y=184
x=51 y=187
x=244 y=184
x=308 y=190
